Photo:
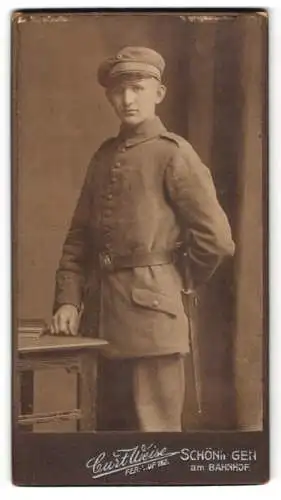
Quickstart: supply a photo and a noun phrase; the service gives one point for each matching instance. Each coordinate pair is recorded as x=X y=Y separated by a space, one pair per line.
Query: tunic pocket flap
x=154 y=300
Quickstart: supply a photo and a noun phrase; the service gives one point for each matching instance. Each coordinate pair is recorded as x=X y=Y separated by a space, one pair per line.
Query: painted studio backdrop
x=215 y=77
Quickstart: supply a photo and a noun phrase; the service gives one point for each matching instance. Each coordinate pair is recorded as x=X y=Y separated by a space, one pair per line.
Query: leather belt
x=111 y=262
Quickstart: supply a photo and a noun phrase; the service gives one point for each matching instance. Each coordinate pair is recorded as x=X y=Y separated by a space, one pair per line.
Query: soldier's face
x=134 y=100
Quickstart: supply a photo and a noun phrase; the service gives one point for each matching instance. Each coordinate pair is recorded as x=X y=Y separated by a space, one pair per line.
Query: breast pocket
x=154 y=301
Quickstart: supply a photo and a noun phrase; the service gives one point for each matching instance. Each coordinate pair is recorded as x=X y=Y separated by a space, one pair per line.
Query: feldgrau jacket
x=144 y=191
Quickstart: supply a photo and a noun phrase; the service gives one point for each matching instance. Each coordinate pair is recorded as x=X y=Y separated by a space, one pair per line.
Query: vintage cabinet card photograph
x=140 y=287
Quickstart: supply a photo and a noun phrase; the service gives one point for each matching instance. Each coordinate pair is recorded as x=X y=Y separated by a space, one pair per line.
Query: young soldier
x=145 y=190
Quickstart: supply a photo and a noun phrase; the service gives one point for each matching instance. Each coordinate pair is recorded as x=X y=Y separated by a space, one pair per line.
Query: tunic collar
x=144 y=131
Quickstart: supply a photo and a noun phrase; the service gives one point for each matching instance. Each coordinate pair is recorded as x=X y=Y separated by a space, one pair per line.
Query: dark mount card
x=147 y=275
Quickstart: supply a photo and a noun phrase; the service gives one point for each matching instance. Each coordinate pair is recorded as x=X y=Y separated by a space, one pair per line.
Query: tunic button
x=117 y=164
x=109 y=196
x=155 y=303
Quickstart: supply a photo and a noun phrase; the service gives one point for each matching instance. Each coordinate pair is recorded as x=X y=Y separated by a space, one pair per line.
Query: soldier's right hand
x=65 y=320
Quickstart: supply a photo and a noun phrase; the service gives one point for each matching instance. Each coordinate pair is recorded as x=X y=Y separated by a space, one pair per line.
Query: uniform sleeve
x=70 y=275
x=206 y=231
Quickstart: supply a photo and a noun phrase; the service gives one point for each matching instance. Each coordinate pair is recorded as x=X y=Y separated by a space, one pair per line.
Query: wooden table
x=75 y=354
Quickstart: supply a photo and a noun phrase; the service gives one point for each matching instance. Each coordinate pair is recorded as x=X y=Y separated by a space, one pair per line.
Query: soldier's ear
x=161 y=92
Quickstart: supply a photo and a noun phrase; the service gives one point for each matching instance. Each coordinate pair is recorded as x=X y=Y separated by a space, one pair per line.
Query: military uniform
x=145 y=191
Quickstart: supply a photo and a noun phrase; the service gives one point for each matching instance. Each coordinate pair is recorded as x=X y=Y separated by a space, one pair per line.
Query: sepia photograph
x=139 y=160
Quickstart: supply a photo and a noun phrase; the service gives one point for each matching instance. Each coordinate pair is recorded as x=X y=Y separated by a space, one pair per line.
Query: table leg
x=87 y=391
x=16 y=398
x=26 y=395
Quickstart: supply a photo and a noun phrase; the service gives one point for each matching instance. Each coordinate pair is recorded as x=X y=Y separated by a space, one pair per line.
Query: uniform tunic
x=144 y=191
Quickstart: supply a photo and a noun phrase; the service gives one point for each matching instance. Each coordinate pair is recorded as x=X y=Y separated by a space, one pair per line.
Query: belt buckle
x=106 y=261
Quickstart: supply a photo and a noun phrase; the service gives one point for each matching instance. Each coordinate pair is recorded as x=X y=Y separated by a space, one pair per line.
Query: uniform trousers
x=144 y=394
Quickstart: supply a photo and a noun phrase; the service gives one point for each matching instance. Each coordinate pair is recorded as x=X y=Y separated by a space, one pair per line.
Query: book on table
x=33 y=328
